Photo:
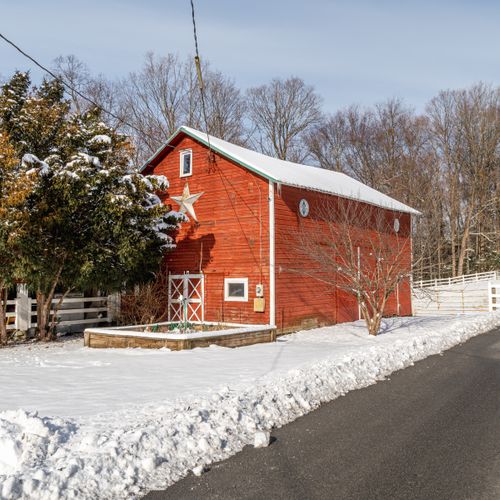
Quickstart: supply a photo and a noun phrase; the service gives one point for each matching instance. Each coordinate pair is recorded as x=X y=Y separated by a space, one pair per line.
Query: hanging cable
x=77 y=92
x=197 y=63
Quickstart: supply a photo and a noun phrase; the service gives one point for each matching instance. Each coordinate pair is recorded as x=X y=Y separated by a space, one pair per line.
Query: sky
x=353 y=52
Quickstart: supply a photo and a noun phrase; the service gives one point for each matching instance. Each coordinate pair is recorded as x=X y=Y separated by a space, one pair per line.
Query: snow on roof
x=295 y=174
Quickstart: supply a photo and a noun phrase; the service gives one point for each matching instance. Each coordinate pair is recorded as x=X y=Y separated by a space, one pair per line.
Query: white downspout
x=359 y=276
x=412 y=230
x=272 y=267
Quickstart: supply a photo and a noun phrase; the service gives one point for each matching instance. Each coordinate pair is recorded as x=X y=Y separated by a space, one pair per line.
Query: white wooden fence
x=75 y=313
x=465 y=278
x=456 y=298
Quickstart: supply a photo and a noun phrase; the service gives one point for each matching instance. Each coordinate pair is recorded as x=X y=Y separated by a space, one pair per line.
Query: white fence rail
x=74 y=312
x=77 y=313
x=465 y=278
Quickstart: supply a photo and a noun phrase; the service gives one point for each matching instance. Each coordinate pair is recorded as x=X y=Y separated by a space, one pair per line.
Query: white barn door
x=186 y=297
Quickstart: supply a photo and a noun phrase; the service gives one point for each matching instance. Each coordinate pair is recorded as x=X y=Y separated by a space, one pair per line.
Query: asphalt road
x=430 y=432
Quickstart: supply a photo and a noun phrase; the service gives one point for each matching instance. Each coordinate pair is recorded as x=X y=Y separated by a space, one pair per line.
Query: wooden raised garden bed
x=204 y=335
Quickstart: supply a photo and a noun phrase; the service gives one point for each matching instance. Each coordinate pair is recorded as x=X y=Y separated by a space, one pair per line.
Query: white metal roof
x=297 y=175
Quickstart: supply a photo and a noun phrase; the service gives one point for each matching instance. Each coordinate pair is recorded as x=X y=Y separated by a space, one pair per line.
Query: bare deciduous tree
x=165 y=94
x=225 y=108
x=466 y=134
x=105 y=93
x=76 y=73
x=445 y=163
x=108 y=95
x=155 y=99
x=389 y=148
x=354 y=247
x=282 y=113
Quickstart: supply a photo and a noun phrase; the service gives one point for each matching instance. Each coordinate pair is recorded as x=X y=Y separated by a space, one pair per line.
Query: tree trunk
x=372 y=319
x=373 y=313
x=453 y=258
x=46 y=328
x=42 y=315
x=373 y=323
x=464 y=243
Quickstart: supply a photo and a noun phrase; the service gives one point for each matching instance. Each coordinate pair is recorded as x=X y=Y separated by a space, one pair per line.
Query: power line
x=76 y=91
x=194 y=30
x=58 y=77
x=200 y=78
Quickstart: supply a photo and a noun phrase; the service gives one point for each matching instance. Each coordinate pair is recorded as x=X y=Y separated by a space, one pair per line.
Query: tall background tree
x=465 y=130
x=164 y=95
x=281 y=114
x=444 y=163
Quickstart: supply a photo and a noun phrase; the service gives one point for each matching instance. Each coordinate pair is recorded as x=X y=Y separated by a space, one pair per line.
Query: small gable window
x=186 y=163
x=236 y=289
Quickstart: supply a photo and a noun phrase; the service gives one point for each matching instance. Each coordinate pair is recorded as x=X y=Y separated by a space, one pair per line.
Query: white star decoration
x=186 y=202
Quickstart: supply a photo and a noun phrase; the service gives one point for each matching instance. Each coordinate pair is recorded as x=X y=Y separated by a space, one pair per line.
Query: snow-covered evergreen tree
x=33 y=118
x=94 y=221
x=12 y=98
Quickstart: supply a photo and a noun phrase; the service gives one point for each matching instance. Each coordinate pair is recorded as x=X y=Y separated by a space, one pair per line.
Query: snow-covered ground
x=91 y=423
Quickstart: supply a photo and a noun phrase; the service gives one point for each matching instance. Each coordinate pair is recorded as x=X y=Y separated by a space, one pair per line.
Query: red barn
x=241 y=205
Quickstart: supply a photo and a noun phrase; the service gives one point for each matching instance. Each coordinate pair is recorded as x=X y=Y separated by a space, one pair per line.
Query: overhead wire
x=76 y=91
x=120 y=119
x=201 y=86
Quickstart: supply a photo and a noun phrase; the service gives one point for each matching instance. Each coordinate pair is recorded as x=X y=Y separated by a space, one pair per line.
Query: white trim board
x=272 y=257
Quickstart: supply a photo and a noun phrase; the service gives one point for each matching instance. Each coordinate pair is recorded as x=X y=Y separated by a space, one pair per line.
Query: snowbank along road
x=430 y=432
x=85 y=423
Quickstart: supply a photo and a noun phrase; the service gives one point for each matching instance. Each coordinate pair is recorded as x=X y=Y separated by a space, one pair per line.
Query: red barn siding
x=301 y=300
x=232 y=240
x=232 y=237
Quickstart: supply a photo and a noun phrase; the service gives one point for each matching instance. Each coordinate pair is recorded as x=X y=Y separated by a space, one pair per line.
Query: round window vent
x=303 y=207
x=396 y=225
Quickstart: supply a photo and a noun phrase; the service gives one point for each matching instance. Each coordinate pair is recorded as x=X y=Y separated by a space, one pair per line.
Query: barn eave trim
x=265 y=175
